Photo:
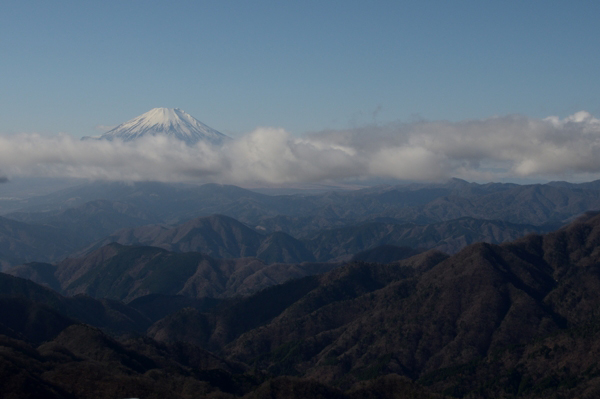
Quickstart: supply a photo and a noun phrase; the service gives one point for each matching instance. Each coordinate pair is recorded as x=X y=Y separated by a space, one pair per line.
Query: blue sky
x=70 y=66
x=312 y=91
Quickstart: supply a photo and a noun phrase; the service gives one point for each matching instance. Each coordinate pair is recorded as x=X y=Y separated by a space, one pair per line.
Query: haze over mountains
x=461 y=289
x=322 y=227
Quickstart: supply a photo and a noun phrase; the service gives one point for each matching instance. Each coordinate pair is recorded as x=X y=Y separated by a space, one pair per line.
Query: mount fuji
x=172 y=122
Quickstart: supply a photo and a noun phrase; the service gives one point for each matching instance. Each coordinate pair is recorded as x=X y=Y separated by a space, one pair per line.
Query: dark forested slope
x=487 y=312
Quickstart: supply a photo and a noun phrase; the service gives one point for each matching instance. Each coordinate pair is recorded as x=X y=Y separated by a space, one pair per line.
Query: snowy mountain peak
x=172 y=122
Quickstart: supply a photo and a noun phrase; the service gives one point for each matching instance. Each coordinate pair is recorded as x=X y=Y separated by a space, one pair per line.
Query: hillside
x=518 y=319
x=22 y=242
x=319 y=227
x=128 y=272
x=217 y=236
x=37 y=313
x=297 y=215
x=223 y=237
x=481 y=313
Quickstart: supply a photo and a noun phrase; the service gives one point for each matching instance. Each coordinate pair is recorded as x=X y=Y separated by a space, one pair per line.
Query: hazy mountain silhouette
x=60 y=223
x=22 y=242
x=128 y=272
x=536 y=204
x=218 y=236
x=224 y=237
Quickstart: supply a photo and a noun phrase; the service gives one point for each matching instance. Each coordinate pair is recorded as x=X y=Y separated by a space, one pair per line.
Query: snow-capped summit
x=170 y=122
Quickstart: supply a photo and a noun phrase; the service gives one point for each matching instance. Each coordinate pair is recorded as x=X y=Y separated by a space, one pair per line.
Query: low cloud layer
x=489 y=149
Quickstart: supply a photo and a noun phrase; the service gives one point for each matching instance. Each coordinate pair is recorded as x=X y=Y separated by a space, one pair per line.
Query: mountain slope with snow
x=172 y=122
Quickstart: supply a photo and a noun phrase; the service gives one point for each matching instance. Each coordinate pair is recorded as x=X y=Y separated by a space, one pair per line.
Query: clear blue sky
x=68 y=66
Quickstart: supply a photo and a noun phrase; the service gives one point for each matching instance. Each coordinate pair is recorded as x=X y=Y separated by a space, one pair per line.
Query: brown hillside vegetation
x=518 y=320
x=433 y=319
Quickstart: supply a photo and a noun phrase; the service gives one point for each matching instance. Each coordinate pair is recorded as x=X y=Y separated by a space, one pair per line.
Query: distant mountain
x=22 y=242
x=38 y=272
x=90 y=221
x=223 y=237
x=384 y=254
x=535 y=204
x=170 y=122
x=448 y=236
x=303 y=215
x=158 y=306
x=170 y=203
x=128 y=272
x=330 y=226
x=217 y=236
x=52 y=235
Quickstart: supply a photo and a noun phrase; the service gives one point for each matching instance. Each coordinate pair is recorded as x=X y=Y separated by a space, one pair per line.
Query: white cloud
x=488 y=149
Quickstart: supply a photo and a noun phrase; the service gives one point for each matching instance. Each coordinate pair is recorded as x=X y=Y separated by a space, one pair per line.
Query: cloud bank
x=488 y=149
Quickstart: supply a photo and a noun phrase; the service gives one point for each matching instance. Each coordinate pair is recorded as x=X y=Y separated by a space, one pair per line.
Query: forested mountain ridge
x=223 y=237
x=514 y=319
x=536 y=204
x=125 y=273
x=434 y=318
x=458 y=213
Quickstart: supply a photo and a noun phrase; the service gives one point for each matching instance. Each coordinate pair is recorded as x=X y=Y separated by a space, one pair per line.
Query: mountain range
x=512 y=320
x=128 y=272
x=536 y=204
x=455 y=289
x=322 y=227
